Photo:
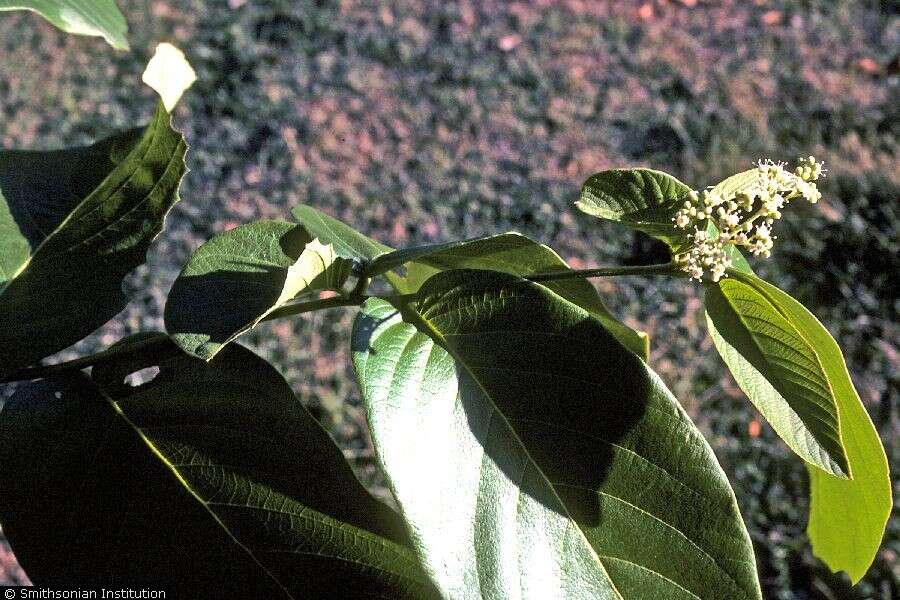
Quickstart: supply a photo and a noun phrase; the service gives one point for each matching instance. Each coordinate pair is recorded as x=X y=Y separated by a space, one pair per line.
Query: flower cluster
x=743 y=210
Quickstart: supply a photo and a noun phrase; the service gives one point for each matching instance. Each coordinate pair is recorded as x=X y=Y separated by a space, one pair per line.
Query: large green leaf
x=780 y=371
x=210 y=477
x=534 y=457
x=847 y=517
x=73 y=224
x=238 y=277
x=84 y=17
x=515 y=254
x=642 y=199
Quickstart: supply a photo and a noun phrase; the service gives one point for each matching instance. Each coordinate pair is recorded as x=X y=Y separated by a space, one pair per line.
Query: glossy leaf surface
x=507 y=253
x=534 y=457
x=847 y=516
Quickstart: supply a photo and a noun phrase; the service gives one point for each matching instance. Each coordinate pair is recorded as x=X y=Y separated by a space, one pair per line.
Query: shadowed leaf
x=208 y=477
x=238 y=277
x=68 y=240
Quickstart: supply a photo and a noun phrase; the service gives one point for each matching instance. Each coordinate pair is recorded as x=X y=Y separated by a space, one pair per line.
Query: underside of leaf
x=779 y=370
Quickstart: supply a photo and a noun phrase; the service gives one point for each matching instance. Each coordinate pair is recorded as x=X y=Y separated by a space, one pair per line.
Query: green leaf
x=237 y=278
x=847 y=517
x=780 y=371
x=446 y=255
x=514 y=254
x=745 y=181
x=507 y=253
x=534 y=457
x=73 y=224
x=348 y=243
x=209 y=477
x=642 y=199
x=83 y=17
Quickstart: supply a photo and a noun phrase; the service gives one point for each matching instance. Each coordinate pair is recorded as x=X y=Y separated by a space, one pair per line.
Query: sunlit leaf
x=779 y=370
x=847 y=516
x=169 y=74
x=84 y=17
x=507 y=253
x=533 y=456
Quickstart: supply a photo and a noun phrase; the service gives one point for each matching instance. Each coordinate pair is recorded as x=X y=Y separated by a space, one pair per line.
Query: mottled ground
x=420 y=121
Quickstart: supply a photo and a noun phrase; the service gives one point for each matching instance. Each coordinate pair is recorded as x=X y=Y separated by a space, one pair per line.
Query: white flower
x=744 y=218
x=809 y=169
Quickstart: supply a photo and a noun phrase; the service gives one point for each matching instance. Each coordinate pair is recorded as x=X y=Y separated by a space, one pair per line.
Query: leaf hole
x=145 y=375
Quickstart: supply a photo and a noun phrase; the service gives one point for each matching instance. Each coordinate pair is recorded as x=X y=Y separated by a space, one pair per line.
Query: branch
x=160 y=345
x=661 y=269
x=305 y=307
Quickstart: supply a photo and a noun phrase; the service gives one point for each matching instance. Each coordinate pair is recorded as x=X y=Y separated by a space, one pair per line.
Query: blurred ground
x=420 y=121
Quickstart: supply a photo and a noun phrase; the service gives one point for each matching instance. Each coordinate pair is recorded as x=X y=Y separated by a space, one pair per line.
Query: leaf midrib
x=187 y=486
x=746 y=280
x=434 y=331
x=69 y=217
x=438 y=336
